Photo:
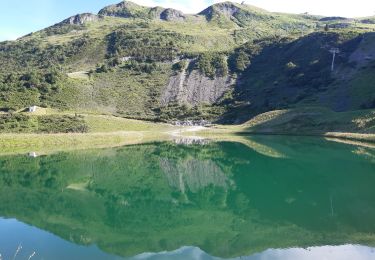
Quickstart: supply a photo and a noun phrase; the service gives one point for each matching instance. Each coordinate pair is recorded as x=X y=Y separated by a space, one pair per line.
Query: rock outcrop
x=81 y=19
x=231 y=11
x=128 y=9
x=192 y=87
x=172 y=15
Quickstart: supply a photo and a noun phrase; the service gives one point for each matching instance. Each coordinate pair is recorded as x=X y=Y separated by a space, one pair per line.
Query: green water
x=227 y=199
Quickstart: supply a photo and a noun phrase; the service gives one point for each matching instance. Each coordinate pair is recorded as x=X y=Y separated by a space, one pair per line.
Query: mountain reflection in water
x=229 y=199
x=193 y=174
x=345 y=252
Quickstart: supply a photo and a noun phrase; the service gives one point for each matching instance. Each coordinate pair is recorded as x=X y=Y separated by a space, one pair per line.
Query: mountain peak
x=170 y=14
x=127 y=9
x=230 y=9
x=240 y=6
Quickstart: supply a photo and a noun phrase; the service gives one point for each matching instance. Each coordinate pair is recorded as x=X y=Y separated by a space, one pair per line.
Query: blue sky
x=19 y=17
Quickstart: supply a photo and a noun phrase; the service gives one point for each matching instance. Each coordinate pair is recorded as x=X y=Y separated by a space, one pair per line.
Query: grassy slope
x=124 y=91
x=300 y=75
x=356 y=125
x=104 y=131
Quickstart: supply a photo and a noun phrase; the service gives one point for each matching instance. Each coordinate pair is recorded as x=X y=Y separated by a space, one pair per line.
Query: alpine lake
x=264 y=197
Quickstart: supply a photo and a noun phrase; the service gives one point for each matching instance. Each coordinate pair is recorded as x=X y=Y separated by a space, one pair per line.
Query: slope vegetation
x=228 y=63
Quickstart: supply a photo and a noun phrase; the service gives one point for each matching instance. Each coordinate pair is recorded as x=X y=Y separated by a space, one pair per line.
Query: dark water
x=264 y=198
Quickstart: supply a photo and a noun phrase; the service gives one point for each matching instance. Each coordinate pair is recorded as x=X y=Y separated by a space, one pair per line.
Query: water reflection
x=193 y=174
x=229 y=198
x=345 y=252
x=192 y=141
x=27 y=239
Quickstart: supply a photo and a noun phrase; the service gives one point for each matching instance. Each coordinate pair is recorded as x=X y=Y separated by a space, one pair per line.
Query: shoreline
x=111 y=131
x=13 y=144
x=370 y=138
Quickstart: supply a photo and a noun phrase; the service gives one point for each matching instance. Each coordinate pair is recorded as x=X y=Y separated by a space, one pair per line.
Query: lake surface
x=251 y=197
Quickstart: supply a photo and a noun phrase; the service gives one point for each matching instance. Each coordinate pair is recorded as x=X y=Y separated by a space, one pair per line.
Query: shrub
x=213 y=64
x=181 y=65
x=62 y=124
x=15 y=123
x=21 y=123
x=242 y=61
x=103 y=68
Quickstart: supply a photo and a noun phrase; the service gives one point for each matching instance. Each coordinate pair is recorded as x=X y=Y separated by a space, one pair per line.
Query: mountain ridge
x=132 y=10
x=226 y=64
x=128 y=9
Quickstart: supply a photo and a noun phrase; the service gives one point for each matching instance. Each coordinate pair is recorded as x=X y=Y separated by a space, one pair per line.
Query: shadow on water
x=227 y=198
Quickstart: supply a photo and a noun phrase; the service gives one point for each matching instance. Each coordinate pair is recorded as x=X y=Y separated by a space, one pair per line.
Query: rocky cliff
x=81 y=19
x=191 y=87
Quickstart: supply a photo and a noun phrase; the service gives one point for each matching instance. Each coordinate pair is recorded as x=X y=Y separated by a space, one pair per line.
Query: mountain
x=128 y=9
x=236 y=12
x=228 y=63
